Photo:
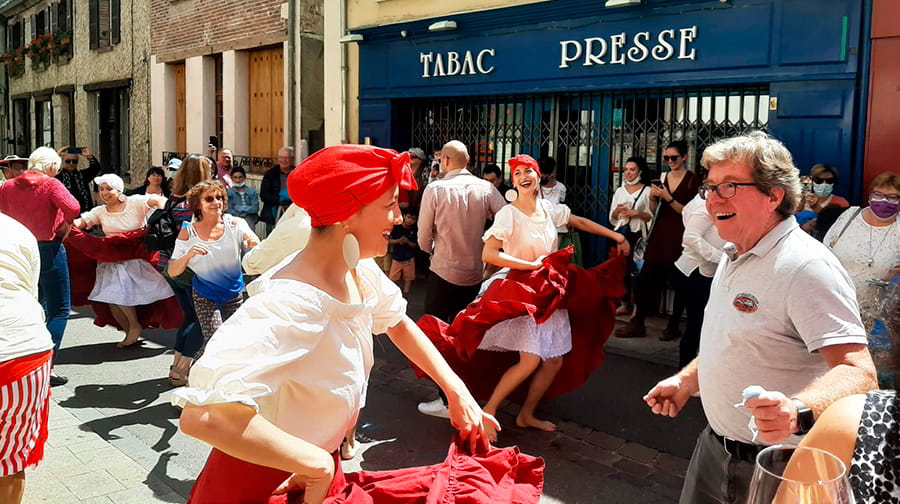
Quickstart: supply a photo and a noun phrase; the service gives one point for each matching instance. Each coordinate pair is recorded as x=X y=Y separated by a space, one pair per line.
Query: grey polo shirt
x=769 y=311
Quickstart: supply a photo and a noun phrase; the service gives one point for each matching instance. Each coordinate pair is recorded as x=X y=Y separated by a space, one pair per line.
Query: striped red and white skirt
x=24 y=411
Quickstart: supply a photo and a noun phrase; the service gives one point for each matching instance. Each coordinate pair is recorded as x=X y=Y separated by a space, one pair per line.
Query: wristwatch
x=805 y=419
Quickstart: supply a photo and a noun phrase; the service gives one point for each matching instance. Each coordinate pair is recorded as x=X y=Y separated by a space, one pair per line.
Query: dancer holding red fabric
x=281 y=381
x=523 y=233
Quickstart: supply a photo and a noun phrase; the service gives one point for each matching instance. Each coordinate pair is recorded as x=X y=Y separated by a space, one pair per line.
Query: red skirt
x=85 y=250
x=589 y=295
x=501 y=476
x=24 y=411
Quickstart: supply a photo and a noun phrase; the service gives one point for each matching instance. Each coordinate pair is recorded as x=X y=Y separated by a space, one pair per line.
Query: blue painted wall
x=808 y=51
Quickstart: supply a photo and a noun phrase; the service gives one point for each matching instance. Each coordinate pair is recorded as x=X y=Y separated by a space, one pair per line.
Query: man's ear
x=777 y=196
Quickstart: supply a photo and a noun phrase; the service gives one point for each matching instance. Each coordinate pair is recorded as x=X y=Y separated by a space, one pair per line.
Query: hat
x=336 y=182
x=5 y=161
x=524 y=160
x=112 y=180
x=417 y=153
x=174 y=164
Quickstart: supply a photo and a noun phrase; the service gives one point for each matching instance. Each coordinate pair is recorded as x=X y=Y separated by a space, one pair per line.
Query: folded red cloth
x=85 y=250
x=589 y=295
x=501 y=476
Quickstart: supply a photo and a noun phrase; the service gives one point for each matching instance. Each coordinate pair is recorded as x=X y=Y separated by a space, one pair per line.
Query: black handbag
x=162 y=229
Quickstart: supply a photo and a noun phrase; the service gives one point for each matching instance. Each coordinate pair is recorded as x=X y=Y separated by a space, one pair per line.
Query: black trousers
x=444 y=299
x=650 y=284
x=695 y=292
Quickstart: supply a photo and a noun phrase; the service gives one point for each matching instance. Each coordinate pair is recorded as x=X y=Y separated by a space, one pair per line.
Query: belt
x=737 y=449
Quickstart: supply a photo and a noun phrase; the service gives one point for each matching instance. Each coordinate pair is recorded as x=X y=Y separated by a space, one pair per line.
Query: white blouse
x=132 y=217
x=300 y=357
x=526 y=237
x=639 y=200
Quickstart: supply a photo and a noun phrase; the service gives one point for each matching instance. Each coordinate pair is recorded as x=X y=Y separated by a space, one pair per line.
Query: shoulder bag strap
x=634 y=203
x=846 y=225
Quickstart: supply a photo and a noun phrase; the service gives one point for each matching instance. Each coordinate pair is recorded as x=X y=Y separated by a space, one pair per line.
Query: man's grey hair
x=288 y=149
x=773 y=165
x=44 y=159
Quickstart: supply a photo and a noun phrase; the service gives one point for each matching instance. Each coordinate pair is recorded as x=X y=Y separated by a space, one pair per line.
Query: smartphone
x=656 y=182
x=74 y=150
x=214 y=141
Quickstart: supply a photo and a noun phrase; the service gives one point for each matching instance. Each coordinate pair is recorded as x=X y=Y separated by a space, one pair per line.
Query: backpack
x=162 y=230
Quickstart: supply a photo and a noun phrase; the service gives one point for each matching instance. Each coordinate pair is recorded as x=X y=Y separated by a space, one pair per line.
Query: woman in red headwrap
x=282 y=380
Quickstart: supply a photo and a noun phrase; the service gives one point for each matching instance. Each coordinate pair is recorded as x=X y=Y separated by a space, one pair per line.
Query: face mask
x=823 y=190
x=242 y=184
x=884 y=209
x=636 y=181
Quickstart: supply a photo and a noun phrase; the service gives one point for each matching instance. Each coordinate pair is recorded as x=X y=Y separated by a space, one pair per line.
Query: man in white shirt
x=782 y=315
x=452 y=218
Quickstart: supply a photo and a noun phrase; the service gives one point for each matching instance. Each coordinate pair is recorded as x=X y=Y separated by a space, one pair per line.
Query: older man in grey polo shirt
x=782 y=314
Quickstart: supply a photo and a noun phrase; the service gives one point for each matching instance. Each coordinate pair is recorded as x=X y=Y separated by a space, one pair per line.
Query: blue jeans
x=189 y=338
x=54 y=289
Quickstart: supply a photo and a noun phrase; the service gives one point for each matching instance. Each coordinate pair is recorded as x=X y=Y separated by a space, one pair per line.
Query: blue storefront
x=592 y=86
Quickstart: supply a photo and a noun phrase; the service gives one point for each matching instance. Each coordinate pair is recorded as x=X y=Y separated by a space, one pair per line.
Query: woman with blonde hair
x=44 y=205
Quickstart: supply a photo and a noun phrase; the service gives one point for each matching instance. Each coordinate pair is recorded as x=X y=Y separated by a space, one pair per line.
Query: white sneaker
x=435 y=408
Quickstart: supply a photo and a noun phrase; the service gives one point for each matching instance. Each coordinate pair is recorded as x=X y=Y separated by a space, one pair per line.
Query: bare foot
x=349 y=448
x=623 y=310
x=130 y=339
x=530 y=421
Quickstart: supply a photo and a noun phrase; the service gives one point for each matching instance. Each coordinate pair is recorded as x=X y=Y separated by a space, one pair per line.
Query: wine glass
x=799 y=475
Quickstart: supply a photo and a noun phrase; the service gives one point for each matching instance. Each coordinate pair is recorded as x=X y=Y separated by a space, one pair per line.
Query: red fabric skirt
x=589 y=295
x=24 y=411
x=85 y=250
x=501 y=476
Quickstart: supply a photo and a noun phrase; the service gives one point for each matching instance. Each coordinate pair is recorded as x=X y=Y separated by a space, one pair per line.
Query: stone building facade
x=78 y=74
x=222 y=69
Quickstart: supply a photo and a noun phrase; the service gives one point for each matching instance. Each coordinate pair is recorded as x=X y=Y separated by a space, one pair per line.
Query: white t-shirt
x=556 y=195
x=639 y=200
x=769 y=311
x=22 y=329
x=298 y=356
x=701 y=245
x=527 y=237
x=132 y=217
x=861 y=244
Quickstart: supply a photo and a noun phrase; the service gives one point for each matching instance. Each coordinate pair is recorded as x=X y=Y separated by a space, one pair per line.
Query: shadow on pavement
x=130 y=396
x=160 y=473
x=159 y=416
x=98 y=353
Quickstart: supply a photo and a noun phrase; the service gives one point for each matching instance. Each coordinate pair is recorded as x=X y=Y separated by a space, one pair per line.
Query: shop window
x=64 y=129
x=43 y=122
x=22 y=126
x=105 y=23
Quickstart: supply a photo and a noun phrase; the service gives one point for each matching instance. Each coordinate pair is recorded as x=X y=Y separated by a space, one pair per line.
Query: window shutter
x=115 y=17
x=53 y=13
x=33 y=27
x=70 y=15
x=94 y=7
x=103 y=23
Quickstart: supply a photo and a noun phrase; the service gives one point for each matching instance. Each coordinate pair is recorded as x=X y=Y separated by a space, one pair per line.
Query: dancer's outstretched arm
x=592 y=227
x=465 y=414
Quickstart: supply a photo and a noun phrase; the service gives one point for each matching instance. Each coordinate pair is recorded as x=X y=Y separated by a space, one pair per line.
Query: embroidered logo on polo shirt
x=746 y=303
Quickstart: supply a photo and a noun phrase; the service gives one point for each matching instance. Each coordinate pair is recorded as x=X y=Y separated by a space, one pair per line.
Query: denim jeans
x=54 y=289
x=189 y=338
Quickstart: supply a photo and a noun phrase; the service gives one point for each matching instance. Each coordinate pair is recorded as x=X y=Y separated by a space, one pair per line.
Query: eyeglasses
x=210 y=199
x=70 y=161
x=820 y=180
x=671 y=158
x=725 y=190
x=880 y=196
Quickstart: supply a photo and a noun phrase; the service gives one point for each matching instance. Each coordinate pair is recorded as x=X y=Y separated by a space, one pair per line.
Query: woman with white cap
x=127 y=284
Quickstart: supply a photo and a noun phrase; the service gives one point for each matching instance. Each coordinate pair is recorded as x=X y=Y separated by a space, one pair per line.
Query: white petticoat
x=551 y=339
x=129 y=283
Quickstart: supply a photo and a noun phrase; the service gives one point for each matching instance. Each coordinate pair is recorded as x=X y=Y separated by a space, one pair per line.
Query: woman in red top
x=44 y=205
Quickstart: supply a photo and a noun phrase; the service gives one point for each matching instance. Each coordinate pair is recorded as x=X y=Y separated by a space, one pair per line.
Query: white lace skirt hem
x=551 y=339
x=129 y=283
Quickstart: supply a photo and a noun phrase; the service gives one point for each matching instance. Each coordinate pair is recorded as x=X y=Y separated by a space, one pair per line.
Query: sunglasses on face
x=880 y=196
x=820 y=180
x=210 y=199
x=671 y=158
x=71 y=161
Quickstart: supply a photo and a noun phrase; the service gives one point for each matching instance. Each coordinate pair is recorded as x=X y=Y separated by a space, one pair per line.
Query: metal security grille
x=590 y=135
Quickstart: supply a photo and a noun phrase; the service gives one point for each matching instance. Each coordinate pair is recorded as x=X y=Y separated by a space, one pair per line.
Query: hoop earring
x=350 y=249
x=511 y=195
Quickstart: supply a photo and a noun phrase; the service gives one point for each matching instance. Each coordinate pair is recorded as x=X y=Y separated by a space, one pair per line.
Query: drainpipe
x=344 y=77
x=291 y=76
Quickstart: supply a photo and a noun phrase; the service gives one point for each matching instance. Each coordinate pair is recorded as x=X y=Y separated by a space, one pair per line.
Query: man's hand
x=86 y=152
x=62 y=151
x=668 y=396
x=776 y=416
x=63 y=232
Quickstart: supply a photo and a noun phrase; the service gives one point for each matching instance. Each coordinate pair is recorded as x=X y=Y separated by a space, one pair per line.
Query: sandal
x=178 y=377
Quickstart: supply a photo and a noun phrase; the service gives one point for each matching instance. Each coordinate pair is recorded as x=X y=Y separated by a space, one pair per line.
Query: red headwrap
x=524 y=160
x=336 y=182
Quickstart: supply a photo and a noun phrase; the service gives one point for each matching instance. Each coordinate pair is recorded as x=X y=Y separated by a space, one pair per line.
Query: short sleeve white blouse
x=527 y=237
x=639 y=200
x=132 y=217
x=300 y=357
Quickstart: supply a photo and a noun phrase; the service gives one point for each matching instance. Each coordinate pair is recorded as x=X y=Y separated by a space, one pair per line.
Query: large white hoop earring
x=350 y=249
x=511 y=195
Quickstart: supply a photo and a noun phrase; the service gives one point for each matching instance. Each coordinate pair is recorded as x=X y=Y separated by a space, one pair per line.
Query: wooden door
x=180 y=109
x=266 y=101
